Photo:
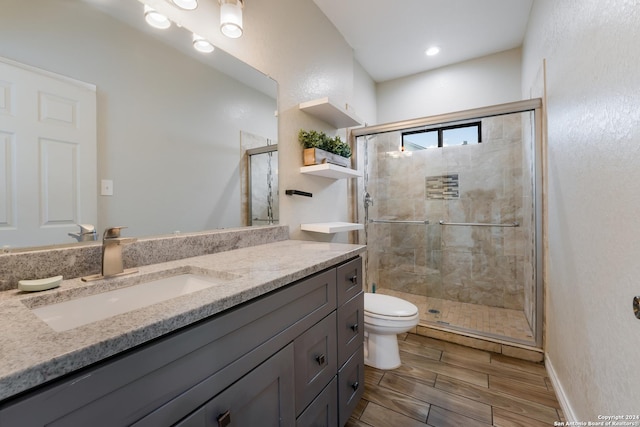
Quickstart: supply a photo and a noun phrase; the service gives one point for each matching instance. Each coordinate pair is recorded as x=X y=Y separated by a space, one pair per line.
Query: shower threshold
x=490 y=324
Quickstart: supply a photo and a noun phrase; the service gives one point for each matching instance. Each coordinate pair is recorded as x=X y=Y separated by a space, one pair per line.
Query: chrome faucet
x=112 y=264
x=87 y=233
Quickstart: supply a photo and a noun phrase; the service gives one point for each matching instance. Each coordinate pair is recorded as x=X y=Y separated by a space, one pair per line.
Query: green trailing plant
x=315 y=139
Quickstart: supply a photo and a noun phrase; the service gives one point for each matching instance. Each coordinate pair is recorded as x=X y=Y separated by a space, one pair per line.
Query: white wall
x=492 y=79
x=364 y=96
x=592 y=53
x=293 y=42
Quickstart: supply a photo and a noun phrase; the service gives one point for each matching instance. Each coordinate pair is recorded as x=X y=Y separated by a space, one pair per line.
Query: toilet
x=385 y=317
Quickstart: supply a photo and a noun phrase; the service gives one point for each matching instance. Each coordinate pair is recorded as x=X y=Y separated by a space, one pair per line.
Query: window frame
x=440 y=130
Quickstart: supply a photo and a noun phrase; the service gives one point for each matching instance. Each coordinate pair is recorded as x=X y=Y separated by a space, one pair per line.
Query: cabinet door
x=349 y=280
x=350 y=385
x=323 y=411
x=350 y=327
x=315 y=360
x=263 y=397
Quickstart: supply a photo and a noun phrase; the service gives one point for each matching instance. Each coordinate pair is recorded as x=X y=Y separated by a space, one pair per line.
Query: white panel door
x=48 y=163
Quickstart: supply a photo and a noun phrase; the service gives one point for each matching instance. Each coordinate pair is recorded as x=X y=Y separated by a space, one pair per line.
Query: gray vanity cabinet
x=261 y=398
x=315 y=361
x=350 y=386
x=350 y=328
x=350 y=335
x=349 y=276
x=279 y=359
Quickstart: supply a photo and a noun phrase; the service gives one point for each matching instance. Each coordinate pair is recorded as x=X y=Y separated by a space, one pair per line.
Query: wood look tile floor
x=441 y=384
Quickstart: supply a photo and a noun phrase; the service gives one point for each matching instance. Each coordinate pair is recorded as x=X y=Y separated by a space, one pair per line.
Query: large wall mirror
x=169 y=122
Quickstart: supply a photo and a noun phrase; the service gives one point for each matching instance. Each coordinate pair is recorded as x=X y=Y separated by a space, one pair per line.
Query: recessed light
x=201 y=44
x=156 y=19
x=186 y=4
x=433 y=50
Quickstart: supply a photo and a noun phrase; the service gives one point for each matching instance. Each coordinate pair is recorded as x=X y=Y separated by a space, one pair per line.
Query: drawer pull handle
x=224 y=419
x=354 y=327
x=354 y=279
x=321 y=359
x=355 y=385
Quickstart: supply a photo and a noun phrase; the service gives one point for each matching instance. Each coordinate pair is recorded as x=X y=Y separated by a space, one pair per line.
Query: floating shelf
x=336 y=116
x=328 y=170
x=331 y=227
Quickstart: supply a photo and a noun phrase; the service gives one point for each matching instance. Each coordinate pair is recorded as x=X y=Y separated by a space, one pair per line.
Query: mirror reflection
x=262 y=180
x=168 y=125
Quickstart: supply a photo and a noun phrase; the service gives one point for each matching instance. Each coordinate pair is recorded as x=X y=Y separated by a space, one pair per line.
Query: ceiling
x=389 y=38
x=131 y=13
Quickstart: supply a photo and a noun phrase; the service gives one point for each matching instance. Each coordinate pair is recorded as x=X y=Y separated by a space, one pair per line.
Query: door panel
x=48 y=161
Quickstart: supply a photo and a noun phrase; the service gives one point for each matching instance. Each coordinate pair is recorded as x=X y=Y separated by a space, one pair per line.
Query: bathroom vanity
x=280 y=342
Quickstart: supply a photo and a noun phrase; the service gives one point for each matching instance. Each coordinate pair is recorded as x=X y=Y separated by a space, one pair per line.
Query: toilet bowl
x=385 y=317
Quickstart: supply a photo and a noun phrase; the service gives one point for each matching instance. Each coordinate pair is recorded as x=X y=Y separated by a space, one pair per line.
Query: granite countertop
x=31 y=353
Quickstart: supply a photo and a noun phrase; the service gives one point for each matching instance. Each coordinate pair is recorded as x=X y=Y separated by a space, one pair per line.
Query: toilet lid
x=387 y=305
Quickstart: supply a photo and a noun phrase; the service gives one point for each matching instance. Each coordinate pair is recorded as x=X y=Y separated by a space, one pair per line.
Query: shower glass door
x=263 y=185
x=474 y=267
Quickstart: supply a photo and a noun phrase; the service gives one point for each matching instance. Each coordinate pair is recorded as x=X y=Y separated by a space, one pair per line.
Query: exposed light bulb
x=201 y=44
x=433 y=50
x=156 y=19
x=186 y=4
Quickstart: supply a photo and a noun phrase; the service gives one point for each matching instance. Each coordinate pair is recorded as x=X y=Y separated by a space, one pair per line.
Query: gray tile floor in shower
x=483 y=320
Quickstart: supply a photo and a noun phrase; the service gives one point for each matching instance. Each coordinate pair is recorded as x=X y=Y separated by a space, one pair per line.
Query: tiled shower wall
x=484 y=265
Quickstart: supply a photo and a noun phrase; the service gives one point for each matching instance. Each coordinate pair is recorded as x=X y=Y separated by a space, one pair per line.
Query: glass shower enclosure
x=258 y=179
x=452 y=212
x=263 y=185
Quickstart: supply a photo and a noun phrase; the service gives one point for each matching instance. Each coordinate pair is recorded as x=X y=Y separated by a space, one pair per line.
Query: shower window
x=445 y=136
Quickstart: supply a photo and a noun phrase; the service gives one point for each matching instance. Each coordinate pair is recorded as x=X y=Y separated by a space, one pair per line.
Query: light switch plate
x=106 y=188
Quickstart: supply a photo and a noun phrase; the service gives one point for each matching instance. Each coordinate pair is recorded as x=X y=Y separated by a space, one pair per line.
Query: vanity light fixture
x=156 y=19
x=186 y=4
x=201 y=44
x=433 y=50
x=231 y=17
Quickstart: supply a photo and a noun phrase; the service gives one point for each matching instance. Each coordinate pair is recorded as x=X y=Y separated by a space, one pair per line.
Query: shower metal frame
x=252 y=152
x=524 y=106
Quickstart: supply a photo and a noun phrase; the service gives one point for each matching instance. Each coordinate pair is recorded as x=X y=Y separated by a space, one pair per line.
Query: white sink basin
x=81 y=311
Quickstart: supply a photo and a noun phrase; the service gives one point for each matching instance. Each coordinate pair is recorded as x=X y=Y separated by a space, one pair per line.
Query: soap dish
x=39 y=284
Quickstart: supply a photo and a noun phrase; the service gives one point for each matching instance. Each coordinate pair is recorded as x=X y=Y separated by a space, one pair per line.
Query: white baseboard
x=563 y=399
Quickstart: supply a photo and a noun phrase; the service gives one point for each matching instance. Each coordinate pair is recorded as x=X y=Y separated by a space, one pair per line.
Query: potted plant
x=320 y=148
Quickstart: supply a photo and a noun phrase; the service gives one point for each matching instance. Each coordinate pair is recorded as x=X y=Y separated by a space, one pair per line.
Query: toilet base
x=381 y=351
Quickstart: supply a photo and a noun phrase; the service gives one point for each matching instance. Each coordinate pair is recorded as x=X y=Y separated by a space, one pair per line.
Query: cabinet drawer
x=350 y=385
x=350 y=327
x=260 y=398
x=315 y=360
x=349 y=277
x=323 y=411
